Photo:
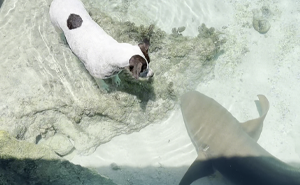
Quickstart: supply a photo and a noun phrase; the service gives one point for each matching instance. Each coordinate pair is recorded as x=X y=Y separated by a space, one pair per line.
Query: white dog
x=102 y=55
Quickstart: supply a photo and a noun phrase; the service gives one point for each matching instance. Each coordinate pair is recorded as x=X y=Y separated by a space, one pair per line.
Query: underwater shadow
x=1 y=2
x=228 y=171
x=246 y=171
x=151 y=175
x=142 y=89
x=47 y=172
x=57 y=172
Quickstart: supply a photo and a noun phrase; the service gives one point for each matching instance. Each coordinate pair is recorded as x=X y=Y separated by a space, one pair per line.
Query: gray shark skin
x=230 y=147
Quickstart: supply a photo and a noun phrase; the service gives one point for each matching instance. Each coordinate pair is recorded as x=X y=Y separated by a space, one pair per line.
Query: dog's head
x=138 y=66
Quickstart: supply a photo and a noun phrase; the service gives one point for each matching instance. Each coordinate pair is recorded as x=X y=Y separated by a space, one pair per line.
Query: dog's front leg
x=116 y=80
x=101 y=84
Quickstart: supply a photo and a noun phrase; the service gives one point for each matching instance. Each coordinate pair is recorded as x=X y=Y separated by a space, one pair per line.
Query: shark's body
x=224 y=144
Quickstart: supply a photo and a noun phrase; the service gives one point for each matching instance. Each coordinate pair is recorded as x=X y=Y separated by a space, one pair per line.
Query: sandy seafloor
x=252 y=64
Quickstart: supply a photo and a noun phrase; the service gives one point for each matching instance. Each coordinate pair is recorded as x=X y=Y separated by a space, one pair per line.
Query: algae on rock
x=46 y=91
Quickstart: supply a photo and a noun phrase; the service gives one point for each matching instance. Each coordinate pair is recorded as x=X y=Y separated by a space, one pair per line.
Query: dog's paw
x=117 y=80
x=102 y=85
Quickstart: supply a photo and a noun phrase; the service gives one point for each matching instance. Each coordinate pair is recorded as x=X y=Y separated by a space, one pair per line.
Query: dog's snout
x=150 y=73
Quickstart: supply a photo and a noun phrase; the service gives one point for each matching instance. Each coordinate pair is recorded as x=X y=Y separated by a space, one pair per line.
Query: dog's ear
x=135 y=66
x=145 y=45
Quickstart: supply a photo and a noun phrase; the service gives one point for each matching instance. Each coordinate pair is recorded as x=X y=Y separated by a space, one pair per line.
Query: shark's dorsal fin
x=201 y=167
x=254 y=127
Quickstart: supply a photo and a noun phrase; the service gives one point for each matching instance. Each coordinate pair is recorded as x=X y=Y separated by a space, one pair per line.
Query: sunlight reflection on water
x=169 y=14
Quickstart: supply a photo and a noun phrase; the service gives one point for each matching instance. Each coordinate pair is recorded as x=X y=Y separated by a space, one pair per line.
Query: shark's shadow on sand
x=229 y=147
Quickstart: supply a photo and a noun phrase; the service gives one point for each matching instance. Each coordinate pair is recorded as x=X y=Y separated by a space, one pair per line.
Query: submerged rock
x=177 y=31
x=262 y=26
x=260 y=22
x=60 y=144
x=114 y=166
x=45 y=90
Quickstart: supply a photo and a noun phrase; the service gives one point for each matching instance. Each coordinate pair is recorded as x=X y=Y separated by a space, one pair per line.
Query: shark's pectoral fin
x=254 y=127
x=200 y=168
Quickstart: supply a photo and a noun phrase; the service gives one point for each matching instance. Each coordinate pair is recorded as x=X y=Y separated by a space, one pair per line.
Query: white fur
x=102 y=55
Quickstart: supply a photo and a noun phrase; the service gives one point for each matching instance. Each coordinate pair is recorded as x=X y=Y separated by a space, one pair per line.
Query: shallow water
x=247 y=49
x=169 y=14
x=251 y=63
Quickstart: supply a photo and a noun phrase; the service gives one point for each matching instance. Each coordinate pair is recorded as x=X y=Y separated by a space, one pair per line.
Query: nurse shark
x=230 y=147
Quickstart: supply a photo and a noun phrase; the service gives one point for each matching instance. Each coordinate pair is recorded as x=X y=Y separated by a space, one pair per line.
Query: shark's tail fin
x=254 y=127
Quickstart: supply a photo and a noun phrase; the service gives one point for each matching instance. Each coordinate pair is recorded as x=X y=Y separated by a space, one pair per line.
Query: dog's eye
x=144 y=67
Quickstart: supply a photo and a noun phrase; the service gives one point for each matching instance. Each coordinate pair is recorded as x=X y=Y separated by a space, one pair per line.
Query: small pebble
x=114 y=166
x=262 y=26
x=181 y=29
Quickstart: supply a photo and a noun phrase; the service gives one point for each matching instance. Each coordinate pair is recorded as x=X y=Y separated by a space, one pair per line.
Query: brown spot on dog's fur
x=137 y=64
x=74 y=21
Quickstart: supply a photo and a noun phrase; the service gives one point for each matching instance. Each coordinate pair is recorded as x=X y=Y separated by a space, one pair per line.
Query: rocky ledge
x=48 y=97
